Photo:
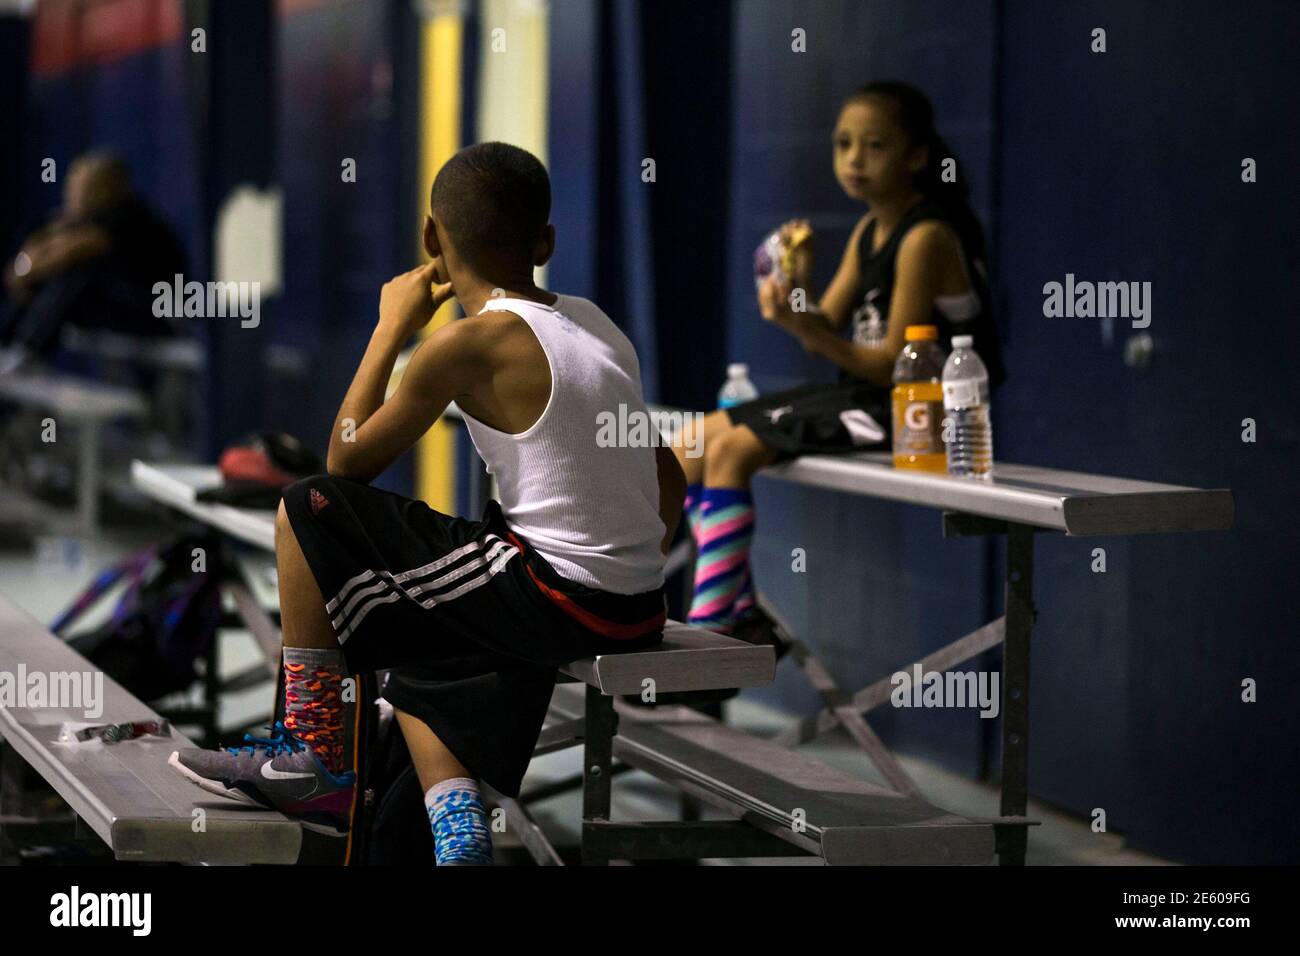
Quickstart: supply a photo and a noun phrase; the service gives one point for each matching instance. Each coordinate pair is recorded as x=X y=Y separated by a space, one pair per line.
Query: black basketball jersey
x=870 y=319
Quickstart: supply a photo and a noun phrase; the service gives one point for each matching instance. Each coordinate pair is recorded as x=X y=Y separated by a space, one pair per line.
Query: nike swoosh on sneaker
x=270 y=773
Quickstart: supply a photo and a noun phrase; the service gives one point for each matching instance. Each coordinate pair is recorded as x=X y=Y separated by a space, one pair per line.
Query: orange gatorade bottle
x=918 y=402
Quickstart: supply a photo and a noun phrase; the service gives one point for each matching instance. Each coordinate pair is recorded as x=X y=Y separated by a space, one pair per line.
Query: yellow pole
x=441 y=34
x=514 y=77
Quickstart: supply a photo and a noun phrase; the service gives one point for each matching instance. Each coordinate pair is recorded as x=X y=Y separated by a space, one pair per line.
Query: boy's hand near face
x=371 y=432
x=408 y=301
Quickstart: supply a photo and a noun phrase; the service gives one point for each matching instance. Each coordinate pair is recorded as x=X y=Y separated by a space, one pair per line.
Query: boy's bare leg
x=434 y=763
x=303 y=620
x=460 y=832
x=305 y=623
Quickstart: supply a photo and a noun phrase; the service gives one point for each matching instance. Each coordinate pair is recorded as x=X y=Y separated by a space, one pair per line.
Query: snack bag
x=776 y=257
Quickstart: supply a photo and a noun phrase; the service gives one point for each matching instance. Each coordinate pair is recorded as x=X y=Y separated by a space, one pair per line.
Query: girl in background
x=916 y=257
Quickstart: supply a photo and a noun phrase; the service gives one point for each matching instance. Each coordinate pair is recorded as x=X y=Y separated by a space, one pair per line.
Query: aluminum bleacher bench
x=783 y=803
x=172 y=354
x=86 y=406
x=125 y=792
x=760 y=783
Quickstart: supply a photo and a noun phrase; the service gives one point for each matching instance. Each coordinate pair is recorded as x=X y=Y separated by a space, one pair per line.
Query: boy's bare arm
x=672 y=492
x=370 y=433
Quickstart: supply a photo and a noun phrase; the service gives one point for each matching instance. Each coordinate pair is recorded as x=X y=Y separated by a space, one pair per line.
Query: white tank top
x=589 y=507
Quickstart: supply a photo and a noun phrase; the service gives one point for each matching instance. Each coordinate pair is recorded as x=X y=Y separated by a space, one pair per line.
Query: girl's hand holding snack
x=786 y=257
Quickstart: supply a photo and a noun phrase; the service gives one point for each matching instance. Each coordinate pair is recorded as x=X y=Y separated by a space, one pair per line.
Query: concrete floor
x=43 y=576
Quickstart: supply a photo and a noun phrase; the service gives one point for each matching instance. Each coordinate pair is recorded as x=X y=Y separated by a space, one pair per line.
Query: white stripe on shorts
x=389 y=588
x=449 y=558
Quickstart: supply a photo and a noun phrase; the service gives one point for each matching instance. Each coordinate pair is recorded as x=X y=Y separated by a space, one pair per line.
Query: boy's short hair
x=494 y=200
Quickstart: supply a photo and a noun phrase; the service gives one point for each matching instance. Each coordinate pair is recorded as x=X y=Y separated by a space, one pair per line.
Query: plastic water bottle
x=737 y=389
x=968 y=428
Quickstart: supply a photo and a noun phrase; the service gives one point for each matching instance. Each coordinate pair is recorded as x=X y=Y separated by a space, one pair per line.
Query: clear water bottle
x=968 y=428
x=737 y=389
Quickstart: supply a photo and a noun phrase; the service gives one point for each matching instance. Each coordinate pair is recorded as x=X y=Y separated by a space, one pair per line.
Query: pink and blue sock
x=461 y=835
x=691 y=506
x=724 y=533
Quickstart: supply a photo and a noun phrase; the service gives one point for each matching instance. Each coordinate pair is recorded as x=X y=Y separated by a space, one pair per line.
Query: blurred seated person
x=94 y=265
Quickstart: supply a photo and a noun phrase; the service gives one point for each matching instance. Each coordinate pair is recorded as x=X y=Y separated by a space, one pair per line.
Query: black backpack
x=395 y=825
x=164 y=622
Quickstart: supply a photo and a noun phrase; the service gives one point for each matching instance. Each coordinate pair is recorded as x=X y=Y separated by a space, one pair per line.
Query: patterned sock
x=726 y=529
x=691 y=506
x=745 y=599
x=461 y=836
x=314 y=708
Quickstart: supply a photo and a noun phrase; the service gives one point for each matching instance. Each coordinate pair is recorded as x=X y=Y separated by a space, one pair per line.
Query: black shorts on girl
x=819 y=419
x=470 y=621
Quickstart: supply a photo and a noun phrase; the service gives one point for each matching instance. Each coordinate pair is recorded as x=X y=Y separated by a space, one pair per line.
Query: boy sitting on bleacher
x=474 y=616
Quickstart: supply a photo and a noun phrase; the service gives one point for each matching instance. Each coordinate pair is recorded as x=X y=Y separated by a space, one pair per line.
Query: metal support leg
x=1015 y=692
x=12 y=769
x=682 y=558
x=597 y=760
x=522 y=824
x=264 y=629
x=212 y=692
x=876 y=694
x=848 y=715
x=88 y=477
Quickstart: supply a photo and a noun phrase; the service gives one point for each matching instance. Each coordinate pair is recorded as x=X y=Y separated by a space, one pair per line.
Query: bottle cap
x=922 y=333
x=737 y=369
x=963 y=341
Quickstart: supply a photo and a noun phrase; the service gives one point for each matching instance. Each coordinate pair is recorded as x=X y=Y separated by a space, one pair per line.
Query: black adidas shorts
x=470 y=620
x=819 y=419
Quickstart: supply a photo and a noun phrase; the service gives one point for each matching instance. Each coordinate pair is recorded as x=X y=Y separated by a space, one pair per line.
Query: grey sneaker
x=281 y=773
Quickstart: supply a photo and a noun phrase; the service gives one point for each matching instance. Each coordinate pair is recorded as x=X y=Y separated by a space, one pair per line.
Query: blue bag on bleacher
x=165 y=620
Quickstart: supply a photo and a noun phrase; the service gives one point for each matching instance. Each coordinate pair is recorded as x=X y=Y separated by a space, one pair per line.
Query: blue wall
x=341 y=77
x=1123 y=165
x=1127 y=165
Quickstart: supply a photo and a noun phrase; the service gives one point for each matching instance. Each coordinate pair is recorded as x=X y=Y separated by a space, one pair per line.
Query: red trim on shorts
x=593 y=622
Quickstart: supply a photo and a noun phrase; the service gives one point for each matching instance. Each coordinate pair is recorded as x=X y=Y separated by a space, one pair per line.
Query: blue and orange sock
x=314 y=705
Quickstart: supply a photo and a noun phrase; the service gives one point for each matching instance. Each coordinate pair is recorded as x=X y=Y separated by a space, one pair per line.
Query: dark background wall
x=607 y=71
x=1127 y=165
x=1117 y=166
x=343 y=89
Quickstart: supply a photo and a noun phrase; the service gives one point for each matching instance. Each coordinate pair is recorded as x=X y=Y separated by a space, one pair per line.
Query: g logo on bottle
x=917 y=417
